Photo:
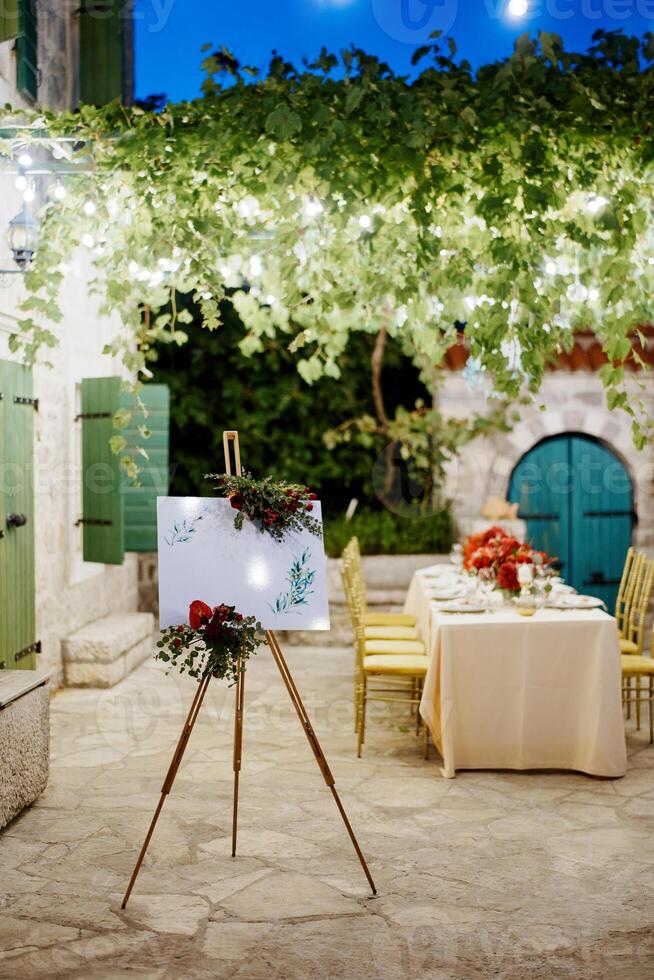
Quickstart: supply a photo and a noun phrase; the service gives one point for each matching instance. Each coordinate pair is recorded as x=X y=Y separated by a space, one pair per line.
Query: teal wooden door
x=577 y=500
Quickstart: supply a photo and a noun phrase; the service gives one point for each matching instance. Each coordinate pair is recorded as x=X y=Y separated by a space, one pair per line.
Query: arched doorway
x=577 y=499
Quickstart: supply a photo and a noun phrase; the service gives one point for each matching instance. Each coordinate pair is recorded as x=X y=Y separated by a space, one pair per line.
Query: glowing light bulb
x=25 y=160
x=593 y=294
x=256 y=265
x=89 y=207
x=29 y=195
x=518 y=8
x=550 y=267
x=60 y=192
x=365 y=222
x=88 y=240
x=21 y=182
x=595 y=203
x=313 y=208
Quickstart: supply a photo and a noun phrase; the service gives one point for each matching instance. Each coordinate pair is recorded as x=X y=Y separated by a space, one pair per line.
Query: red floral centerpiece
x=275 y=507
x=496 y=556
x=214 y=641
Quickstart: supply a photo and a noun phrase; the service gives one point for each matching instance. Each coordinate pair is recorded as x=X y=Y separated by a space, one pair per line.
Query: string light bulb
x=25 y=160
x=313 y=208
x=59 y=191
x=21 y=182
x=365 y=222
x=89 y=208
x=88 y=240
x=29 y=194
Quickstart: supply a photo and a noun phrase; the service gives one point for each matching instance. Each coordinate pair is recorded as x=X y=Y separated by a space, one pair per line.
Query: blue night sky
x=170 y=33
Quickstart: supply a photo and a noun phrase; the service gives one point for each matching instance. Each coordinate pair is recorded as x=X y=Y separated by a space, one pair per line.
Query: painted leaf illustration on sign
x=182 y=531
x=300 y=579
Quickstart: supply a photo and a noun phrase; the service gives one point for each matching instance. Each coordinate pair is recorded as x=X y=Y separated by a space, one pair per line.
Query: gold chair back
x=352 y=554
x=621 y=612
x=631 y=589
x=640 y=603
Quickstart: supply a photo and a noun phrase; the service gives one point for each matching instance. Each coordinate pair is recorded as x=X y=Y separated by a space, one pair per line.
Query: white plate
x=462 y=607
x=445 y=594
x=576 y=602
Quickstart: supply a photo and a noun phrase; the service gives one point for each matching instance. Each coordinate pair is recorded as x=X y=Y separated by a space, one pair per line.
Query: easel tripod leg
x=315 y=746
x=170 y=776
x=238 y=746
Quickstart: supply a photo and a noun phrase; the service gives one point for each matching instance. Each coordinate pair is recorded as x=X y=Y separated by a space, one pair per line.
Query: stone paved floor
x=489 y=875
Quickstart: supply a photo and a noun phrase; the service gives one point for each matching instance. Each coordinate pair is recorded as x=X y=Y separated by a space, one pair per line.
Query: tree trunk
x=376 y=365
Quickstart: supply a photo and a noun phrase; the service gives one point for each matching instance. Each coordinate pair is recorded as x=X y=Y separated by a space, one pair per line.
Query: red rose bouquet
x=495 y=556
x=214 y=641
x=273 y=506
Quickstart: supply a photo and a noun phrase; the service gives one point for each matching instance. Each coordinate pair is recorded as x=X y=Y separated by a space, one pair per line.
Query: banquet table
x=507 y=692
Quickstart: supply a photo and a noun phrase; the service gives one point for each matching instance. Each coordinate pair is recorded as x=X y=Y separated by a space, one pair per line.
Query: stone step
x=103 y=652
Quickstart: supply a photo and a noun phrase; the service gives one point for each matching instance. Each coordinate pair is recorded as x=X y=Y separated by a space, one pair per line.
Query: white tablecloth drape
x=507 y=692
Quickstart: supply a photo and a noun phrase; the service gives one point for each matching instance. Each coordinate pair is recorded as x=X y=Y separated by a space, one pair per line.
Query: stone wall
x=572 y=402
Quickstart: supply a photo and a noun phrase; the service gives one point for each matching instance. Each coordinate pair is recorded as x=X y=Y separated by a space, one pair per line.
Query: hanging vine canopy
x=517 y=200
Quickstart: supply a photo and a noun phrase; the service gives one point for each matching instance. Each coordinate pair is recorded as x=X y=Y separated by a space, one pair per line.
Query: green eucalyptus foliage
x=332 y=199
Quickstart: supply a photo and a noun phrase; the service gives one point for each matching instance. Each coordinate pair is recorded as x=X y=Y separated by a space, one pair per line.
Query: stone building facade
x=571 y=400
x=69 y=592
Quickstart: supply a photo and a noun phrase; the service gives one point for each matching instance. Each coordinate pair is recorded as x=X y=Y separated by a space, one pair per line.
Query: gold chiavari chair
x=633 y=637
x=391 y=671
x=379 y=640
x=352 y=554
x=634 y=665
x=621 y=603
x=639 y=668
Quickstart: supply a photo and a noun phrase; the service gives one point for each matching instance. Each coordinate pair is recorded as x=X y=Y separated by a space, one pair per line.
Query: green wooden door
x=17 y=620
x=577 y=499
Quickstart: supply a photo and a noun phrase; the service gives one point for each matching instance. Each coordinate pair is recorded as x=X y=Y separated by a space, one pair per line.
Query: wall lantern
x=23 y=238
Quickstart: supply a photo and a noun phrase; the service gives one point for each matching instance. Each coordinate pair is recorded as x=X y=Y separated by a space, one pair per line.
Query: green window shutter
x=102 y=507
x=140 y=503
x=17 y=620
x=9 y=26
x=27 y=48
x=101 y=51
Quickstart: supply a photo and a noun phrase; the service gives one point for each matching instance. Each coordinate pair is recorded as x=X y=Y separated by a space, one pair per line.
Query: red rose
x=483 y=558
x=313 y=496
x=177 y=642
x=199 y=613
x=507 y=576
x=237 y=500
x=238 y=617
x=214 y=629
x=309 y=506
x=180 y=629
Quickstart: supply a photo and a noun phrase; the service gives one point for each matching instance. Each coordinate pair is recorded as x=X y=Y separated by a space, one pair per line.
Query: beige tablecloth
x=507 y=692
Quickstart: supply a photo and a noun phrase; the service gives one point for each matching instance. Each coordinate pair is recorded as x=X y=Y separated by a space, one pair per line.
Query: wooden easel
x=231 y=438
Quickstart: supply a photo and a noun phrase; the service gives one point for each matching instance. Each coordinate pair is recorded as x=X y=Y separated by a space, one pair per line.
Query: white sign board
x=203 y=556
